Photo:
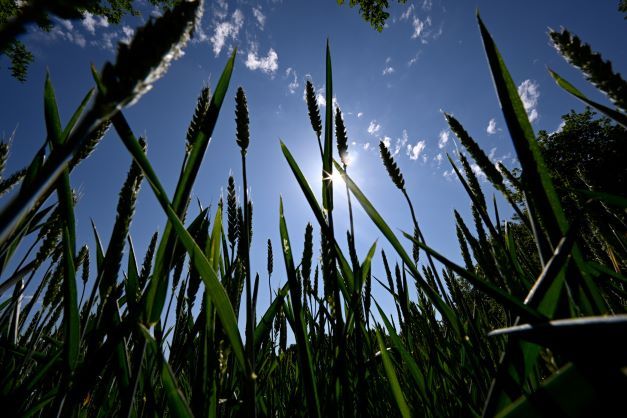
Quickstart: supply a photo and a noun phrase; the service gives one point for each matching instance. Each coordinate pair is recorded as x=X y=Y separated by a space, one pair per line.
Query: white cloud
x=91 y=24
x=413 y=60
x=419 y=26
x=478 y=171
x=560 y=128
x=227 y=30
x=388 y=70
x=221 y=9
x=268 y=64
x=449 y=174
x=360 y=114
x=74 y=37
x=320 y=95
x=492 y=154
x=427 y=5
x=107 y=41
x=367 y=146
x=322 y=101
x=66 y=24
x=414 y=151
x=387 y=141
x=533 y=115
x=438 y=158
x=294 y=85
x=156 y=12
x=128 y=34
x=261 y=18
x=401 y=142
x=529 y=92
x=491 y=129
x=374 y=127
x=409 y=12
x=78 y=39
x=443 y=138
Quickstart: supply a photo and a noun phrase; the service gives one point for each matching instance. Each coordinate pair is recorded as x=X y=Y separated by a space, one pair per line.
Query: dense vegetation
x=532 y=324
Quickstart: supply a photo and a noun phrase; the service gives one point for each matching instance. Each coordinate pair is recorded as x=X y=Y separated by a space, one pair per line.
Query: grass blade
x=159 y=283
x=302 y=344
x=564 y=84
x=392 y=378
x=437 y=301
x=209 y=276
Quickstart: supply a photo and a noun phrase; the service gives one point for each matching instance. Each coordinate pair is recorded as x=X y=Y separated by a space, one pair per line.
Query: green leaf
x=539 y=187
x=215 y=290
x=598 y=337
x=177 y=403
x=315 y=207
x=51 y=113
x=265 y=324
x=535 y=175
x=433 y=296
x=410 y=363
x=77 y=114
x=99 y=249
x=619 y=117
x=159 y=283
x=132 y=277
x=327 y=161
x=595 y=392
x=64 y=193
x=392 y=378
x=302 y=343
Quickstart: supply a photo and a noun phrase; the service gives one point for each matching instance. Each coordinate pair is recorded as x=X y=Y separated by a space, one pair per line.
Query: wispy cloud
x=374 y=127
x=261 y=18
x=388 y=70
x=491 y=129
x=220 y=9
x=449 y=174
x=360 y=114
x=492 y=154
x=414 y=151
x=443 y=138
x=408 y=12
x=91 y=24
x=401 y=142
x=66 y=24
x=128 y=34
x=529 y=92
x=226 y=30
x=268 y=64
x=478 y=171
x=64 y=30
x=419 y=26
x=293 y=85
x=413 y=59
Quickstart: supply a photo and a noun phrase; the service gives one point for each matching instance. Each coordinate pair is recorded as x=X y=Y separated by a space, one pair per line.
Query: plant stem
x=250 y=381
x=422 y=238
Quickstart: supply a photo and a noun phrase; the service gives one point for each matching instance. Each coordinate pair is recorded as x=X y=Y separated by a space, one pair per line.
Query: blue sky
x=391 y=86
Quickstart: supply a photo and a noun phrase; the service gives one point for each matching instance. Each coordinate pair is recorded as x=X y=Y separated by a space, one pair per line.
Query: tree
x=15 y=15
x=588 y=154
x=373 y=11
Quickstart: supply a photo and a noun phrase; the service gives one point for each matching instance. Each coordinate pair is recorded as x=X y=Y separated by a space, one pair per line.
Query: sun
x=337 y=178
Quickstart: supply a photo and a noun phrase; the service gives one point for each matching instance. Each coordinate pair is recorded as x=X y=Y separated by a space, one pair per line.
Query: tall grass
x=510 y=333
